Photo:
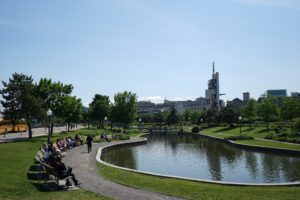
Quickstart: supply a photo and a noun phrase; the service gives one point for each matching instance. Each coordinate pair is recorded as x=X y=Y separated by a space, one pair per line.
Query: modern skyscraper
x=213 y=91
x=246 y=96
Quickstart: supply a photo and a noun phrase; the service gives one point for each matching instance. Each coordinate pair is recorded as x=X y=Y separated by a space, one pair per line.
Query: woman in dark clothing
x=89 y=141
x=64 y=171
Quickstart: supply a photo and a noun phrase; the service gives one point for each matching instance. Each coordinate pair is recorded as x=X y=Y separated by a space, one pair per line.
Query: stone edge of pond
x=252 y=147
x=140 y=140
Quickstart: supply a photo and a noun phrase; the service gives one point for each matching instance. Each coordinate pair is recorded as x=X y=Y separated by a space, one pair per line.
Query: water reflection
x=203 y=158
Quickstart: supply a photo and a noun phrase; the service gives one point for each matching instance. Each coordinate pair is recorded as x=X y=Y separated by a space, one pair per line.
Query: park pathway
x=84 y=166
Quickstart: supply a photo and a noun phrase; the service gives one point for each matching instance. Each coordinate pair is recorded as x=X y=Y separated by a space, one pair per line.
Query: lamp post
x=105 y=120
x=240 y=118
x=140 y=120
x=49 y=114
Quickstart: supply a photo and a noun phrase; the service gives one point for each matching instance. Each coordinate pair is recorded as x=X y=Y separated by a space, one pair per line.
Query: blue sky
x=157 y=49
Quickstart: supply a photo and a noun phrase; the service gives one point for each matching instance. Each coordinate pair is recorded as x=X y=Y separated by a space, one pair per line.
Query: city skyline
x=159 y=50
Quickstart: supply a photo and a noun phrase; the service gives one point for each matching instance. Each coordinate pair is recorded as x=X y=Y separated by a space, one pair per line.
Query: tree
x=21 y=100
x=249 y=111
x=195 y=117
x=124 y=108
x=158 y=118
x=290 y=109
x=172 y=117
x=227 y=115
x=52 y=94
x=99 y=108
x=267 y=110
x=69 y=108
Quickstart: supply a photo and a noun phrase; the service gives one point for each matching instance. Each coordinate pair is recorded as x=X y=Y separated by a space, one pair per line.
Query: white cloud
x=153 y=99
x=290 y=4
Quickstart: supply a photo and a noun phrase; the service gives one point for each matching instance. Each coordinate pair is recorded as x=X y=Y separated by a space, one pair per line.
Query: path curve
x=85 y=169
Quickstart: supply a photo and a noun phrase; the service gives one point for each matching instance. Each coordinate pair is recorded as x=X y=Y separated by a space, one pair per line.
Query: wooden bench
x=52 y=172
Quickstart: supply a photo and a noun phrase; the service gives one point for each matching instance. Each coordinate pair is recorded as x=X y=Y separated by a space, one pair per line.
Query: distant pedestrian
x=89 y=141
x=5 y=132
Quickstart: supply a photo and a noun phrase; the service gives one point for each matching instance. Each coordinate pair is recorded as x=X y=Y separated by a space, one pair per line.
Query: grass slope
x=258 y=133
x=16 y=159
x=195 y=190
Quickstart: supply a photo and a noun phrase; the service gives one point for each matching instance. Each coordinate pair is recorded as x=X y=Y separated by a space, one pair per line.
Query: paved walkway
x=85 y=169
x=36 y=132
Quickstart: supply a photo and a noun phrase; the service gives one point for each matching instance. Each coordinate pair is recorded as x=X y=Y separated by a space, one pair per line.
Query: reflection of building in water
x=211 y=100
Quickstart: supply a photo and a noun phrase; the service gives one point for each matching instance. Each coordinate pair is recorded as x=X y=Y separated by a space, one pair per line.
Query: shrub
x=239 y=137
x=122 y=136
x=195 y=129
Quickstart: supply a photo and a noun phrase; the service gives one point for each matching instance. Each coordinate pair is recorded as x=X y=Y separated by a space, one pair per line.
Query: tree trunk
x=29 y=130
x=68 y=127
x=124 y=127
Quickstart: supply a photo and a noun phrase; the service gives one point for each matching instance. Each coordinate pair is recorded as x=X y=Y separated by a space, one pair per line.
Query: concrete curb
x=252 y=147
x=143 y=140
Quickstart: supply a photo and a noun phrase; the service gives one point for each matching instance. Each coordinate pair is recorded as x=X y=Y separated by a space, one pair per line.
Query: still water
x=203 y=158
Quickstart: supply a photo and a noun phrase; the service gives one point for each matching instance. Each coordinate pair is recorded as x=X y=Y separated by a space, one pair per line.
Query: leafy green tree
x=158 y=118
x=124 y=108
x=195 y=117
x=186 y=116
x=211 y=116
x=249 y=112
x=21 y=100
x=268 y=110
x=290 y=109
x=99 y=108
x=172 y=117
x=52 y=94
x=227 y=115
x=69 y=108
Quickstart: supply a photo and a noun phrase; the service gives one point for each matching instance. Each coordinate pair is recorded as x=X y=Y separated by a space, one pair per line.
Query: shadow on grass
x=41 y=180
x=249 y=129
x=224 y=129
x=47 y=186
x=264 y=131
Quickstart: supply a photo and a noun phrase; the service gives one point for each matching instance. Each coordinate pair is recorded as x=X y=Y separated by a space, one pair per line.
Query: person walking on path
x=89 y=141
x=5 y=132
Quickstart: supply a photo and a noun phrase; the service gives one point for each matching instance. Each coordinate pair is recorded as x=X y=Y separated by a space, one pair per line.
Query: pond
x=198 y=157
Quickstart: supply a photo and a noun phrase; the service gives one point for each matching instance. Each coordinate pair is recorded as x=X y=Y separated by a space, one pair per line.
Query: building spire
x=213 y=67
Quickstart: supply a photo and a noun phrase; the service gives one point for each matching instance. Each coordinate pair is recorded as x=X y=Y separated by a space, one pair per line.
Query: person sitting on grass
x=78 y=140
x=103 y=136
x=64 y=171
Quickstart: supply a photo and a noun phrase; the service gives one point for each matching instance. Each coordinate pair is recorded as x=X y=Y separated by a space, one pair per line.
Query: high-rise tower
x=213 y=91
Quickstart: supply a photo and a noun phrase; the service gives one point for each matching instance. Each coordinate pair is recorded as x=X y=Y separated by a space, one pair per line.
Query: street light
x=105 y=120
x=240 y=118
x=49 y=114
x=140 y=120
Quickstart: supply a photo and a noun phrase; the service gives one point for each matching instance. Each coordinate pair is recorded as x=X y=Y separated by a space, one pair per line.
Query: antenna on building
x=213 y=67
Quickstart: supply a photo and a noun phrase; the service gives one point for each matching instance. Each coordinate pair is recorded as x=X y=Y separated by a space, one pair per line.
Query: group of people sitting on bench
x=53 y=157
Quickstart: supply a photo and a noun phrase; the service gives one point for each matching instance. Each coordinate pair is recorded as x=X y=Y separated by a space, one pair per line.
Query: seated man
x=64 y=171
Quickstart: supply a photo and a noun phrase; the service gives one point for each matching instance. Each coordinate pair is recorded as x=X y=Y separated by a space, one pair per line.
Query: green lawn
x=16 y=159
x=258 y=133
x=195 y=190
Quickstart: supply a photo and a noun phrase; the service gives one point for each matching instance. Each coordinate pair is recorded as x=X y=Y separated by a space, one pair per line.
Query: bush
x=239 y=137
x=122 y=136
x=195 y=129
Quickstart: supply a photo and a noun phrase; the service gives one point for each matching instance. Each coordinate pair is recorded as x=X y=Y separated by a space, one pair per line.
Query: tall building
x=211 y=100
x=213 y=91
x=276 y=93
x=295 y=94
x=246 y=96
